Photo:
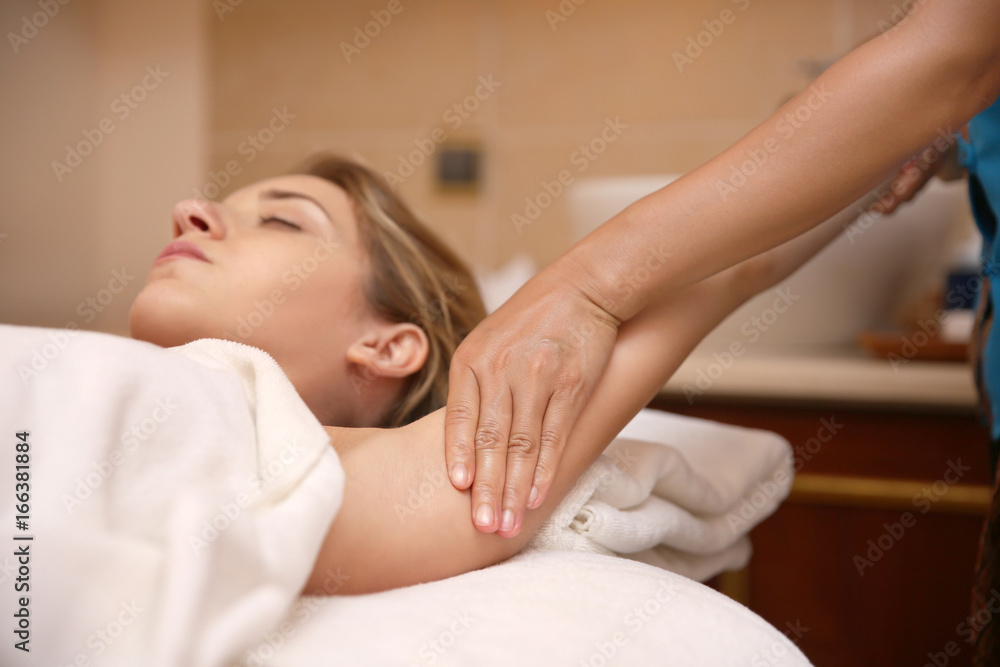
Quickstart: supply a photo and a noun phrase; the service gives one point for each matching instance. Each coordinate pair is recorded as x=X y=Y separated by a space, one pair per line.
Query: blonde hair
x=414 y=277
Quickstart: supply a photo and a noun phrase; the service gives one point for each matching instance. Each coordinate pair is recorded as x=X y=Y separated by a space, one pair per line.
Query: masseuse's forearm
x=823 y=149
x=772 y=266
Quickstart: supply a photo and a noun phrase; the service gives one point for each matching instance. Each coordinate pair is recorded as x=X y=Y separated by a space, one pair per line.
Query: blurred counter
x=843 y=376
x=874 y=444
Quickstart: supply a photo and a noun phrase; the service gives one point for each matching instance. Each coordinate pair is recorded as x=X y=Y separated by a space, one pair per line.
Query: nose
x=198 y=216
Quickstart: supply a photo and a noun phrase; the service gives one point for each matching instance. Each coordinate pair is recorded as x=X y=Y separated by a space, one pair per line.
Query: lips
x=182 y=249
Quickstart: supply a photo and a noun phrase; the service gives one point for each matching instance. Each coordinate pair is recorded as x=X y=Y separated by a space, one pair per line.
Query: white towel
x=677 y=492
x=537 y=609
x=178 y=497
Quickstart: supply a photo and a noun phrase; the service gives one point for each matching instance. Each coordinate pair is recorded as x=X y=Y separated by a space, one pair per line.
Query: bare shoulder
x=429 y=426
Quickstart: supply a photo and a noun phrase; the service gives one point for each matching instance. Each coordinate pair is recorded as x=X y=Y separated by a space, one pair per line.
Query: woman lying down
x=366 y=340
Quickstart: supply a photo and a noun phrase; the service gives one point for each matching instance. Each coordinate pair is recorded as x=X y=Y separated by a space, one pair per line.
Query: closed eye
x=287 y=223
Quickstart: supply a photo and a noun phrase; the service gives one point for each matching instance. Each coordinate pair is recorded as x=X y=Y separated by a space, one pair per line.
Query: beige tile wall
x=559 y=83
x=66 y=237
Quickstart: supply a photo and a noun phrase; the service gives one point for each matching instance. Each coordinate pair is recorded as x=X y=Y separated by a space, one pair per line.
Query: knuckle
x=575 y=376
x=551 y=439
x=571 y=378
x=488 y=438
x=522 y=445
x=537 y=364
x=460 y=412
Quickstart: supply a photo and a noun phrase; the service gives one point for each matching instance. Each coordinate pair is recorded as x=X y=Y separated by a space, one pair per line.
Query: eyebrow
x=288 y=194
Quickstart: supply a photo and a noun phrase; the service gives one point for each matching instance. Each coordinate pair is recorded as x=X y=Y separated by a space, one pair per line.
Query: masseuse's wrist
x=571 y=283
x=601 y=271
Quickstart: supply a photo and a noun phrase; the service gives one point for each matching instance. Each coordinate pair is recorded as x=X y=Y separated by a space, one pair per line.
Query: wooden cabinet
x=870 y=561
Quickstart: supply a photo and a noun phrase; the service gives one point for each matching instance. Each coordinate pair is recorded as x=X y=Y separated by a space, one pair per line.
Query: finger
x=562 y=412
x=460 y=419
x=910 y=180
x=887 y=204
x=522 y=458
x=491 y=457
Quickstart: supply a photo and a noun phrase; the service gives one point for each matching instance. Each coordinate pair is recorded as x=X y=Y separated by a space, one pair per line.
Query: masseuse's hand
x=518 y=382
x=917 y=172
x=908 y=182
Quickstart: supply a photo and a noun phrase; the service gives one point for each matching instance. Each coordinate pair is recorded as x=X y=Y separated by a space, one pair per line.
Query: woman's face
x=282 y=270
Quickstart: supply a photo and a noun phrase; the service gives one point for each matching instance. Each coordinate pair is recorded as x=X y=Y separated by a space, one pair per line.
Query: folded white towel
x=677 y=492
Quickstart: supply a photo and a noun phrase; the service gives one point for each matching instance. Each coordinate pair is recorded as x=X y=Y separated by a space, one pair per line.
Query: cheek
x=324 y=293
x=297 y=301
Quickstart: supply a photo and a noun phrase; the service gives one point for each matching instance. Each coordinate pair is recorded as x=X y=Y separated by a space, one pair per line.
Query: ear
x=395 y=350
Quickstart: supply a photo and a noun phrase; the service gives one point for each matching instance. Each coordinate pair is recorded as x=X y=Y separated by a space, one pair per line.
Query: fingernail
x=484 y=515
x=459 y=474
x=507 y=522
x=533 y=496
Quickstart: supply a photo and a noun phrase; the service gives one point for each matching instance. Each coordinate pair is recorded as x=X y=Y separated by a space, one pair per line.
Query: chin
x=154 y=322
